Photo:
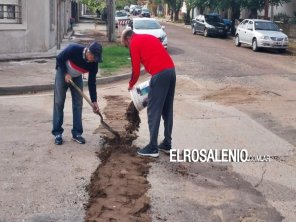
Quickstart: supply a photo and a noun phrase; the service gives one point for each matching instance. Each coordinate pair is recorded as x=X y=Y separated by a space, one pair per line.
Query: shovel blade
x=106 y=126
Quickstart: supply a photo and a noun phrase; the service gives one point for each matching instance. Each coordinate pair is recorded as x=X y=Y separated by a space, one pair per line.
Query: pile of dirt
x=233 y=95
x=118 y=186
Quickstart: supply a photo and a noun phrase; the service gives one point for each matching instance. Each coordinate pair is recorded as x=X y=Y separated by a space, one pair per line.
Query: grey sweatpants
x=160 y=103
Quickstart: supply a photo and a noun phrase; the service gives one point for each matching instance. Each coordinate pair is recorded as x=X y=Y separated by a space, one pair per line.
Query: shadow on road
x=175 y=51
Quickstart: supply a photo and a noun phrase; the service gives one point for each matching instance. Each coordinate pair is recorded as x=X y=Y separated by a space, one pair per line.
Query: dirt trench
x=118 y=186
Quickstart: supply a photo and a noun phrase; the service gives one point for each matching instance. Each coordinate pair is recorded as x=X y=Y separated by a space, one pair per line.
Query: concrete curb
x=27 y=56
x=31 y=89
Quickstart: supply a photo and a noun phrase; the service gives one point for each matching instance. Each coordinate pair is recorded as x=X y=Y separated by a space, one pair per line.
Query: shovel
x=105 y=125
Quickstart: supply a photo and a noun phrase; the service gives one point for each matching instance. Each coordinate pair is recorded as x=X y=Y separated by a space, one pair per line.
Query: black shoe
x=164 y=148
x=147 y=151
x=79 y=139
x=58 y=139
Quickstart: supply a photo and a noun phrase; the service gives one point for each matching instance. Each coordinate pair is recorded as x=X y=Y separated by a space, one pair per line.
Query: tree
x=175 y=6
x=94 y=5
x=258 y=5
x=236 y=5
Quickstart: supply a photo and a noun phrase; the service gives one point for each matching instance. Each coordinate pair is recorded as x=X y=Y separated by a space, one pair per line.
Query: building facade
x=28 y=26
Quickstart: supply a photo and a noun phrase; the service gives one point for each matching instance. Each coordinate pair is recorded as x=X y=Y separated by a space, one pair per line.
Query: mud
x=118 y=186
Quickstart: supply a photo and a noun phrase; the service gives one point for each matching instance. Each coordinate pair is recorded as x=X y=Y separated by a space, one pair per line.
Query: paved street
x=221 y=68
x=226 y=98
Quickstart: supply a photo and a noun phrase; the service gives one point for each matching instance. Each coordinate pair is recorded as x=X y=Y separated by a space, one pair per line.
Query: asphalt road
x=217 y=64
x=217 y=58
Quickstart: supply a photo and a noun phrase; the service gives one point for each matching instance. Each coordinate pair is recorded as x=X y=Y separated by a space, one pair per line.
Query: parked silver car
x=261 y=34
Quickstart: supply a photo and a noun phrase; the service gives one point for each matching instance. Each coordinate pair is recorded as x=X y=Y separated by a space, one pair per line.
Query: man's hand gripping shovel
x=105 y=125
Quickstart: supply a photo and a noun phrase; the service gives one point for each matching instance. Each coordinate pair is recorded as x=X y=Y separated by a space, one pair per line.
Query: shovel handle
x=84 y=96
x=92 y=105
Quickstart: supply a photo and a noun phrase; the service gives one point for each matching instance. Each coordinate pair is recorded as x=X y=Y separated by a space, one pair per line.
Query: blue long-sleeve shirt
x=74 y=57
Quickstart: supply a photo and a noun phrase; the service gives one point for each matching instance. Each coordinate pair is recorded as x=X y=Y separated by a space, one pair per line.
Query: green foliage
x=94 y=5
x=221 y=4
x=175 y=6
x=121 y=3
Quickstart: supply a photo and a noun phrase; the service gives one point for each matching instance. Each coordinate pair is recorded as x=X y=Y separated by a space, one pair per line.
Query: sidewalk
x=33 y=72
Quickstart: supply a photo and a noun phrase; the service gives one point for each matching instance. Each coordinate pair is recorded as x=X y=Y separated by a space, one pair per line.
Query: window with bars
x=10 y=12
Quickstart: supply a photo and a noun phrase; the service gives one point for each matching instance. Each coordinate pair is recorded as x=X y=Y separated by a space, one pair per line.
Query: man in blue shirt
x=71 y=63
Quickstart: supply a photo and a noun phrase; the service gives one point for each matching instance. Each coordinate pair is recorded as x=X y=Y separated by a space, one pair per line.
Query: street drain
x=119 y=184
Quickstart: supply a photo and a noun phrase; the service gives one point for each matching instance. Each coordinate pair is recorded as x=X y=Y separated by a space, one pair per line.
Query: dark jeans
x=60 y=90
x=160 y=103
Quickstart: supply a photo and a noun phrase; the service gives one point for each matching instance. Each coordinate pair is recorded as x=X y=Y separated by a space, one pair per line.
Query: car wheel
x=254 y=45
x=193 y=31
x=237 y=42
x=206 y=34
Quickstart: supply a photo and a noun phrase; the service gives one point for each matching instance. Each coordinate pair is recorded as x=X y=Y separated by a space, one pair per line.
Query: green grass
x=115 y=57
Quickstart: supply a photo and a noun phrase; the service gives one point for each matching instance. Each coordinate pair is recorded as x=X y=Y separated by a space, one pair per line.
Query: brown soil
x=118 y=186
x=233 y=95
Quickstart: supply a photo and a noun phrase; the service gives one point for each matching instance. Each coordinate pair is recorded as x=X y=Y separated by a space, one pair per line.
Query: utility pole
x=111 y=20
x=58 y=24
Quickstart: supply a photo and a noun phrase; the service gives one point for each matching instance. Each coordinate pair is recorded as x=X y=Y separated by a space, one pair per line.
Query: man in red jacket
x=148 y=50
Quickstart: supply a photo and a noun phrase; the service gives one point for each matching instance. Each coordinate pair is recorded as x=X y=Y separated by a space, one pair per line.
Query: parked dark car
x=135 y=10
x=145 y=13
x=228 y=24
x=209 y=25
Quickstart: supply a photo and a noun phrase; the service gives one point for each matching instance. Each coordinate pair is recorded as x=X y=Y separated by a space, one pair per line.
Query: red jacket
x=148 y=50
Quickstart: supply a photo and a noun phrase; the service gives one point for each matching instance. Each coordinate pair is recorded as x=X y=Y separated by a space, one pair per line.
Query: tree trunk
x=176 y=15
x=253 y=14
x=266 y=7
x=188 y=19
x=235 y=8
x=201 y=10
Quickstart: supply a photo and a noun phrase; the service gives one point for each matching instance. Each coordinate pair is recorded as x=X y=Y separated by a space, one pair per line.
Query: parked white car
x=261 y=34
x=149 y=26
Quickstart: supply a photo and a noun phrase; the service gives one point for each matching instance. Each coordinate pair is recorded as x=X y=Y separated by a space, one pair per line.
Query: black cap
x=96 y=49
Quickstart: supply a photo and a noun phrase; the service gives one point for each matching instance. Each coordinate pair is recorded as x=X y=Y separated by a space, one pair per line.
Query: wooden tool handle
x=81 y=93
x=84 y=96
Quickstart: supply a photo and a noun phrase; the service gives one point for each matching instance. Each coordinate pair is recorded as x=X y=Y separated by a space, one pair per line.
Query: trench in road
x=118 y=186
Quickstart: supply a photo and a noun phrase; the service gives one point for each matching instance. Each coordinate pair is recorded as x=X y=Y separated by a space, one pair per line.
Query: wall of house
x=287 y=9
x=36 y=33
